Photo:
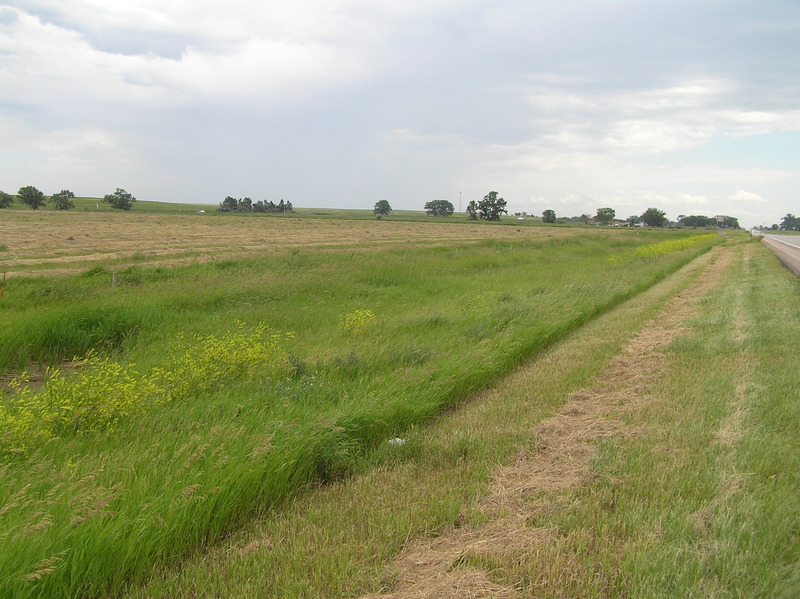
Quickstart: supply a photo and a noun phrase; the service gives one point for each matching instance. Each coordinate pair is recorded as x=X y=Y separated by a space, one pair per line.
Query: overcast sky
x=690 y=106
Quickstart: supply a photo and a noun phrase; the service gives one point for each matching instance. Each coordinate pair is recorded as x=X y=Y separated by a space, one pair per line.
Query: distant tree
x=633 y=220
x=120 y=200
x=696 y=220
x=382 y=208
x=472 y=210
x=491 y=207
x=549 y=216
x=653 y=217
x=790 y=222
x=31 y=196
x=6 y=199
x=229 y=204
x=63 y=200
x=729 y=222
x=262 y=206
x=439 y=208
x=604 y=216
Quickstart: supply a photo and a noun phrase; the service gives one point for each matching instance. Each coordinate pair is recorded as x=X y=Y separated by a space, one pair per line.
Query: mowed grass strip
x=702 y=501
x=339 y=540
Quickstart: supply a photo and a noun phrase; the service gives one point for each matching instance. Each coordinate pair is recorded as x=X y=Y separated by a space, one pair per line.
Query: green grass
x=699 y=499
x=425 y=487
x=90 y=204
x=717 y=517
x=95 y=512
x=83 y=204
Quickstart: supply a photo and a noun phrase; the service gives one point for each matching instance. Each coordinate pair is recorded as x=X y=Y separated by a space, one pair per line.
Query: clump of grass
x=62 y=332
x=95 y=271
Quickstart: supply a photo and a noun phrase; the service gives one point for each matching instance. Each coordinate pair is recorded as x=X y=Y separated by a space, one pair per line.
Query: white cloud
x=756 y=122
x=746 y=196
x=655 y=135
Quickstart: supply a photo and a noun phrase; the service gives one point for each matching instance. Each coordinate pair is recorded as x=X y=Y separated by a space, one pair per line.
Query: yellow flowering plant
x=357 y=322
x=104 y=392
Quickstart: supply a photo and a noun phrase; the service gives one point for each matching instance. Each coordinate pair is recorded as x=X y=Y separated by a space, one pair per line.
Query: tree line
x=489 y=208
x=231 y=204
x=492 y=206
x=35 y=199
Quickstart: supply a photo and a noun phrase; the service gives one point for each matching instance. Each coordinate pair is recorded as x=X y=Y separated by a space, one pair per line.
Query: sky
x=688 y=106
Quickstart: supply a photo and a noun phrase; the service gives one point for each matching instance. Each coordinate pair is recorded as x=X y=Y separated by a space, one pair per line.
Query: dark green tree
x=549 y=216
x=790 y=222
x=604 y=216
x=653 y=217
x=63 y=200
x=6 y=199
x=730 y=222
x=439 y=208
x=696 y=220
x=382 y=208
x=31 y=196
x=120 y=199
x=229 y=204
x=472 y=210
x=491 y=207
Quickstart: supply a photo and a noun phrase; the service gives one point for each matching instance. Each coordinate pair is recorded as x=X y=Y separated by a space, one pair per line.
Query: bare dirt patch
x=452 y=565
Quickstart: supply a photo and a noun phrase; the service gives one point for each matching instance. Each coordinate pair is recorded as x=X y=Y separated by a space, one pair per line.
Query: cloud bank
x=689 y=107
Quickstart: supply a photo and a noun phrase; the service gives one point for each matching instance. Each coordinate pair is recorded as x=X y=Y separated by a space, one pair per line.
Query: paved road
x=787 y=248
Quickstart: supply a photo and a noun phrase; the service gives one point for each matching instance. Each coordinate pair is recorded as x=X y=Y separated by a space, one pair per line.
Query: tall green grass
x=94 y=512
x=420 y=488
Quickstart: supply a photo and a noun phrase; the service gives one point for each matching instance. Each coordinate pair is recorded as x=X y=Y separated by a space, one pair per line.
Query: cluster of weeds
x=104 y=391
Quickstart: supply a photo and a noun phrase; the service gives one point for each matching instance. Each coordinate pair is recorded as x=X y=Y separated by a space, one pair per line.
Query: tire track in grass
x=458 y=564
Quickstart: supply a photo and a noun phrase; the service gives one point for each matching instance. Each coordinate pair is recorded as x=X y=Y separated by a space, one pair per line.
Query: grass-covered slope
x=348 y=349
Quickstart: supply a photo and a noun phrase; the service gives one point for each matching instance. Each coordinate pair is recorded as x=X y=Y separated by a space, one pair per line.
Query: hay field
x=49 y=242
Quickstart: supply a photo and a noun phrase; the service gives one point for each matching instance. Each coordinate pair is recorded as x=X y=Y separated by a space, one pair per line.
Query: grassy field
x=45 y=242
x=188 y=400
x=649 y=454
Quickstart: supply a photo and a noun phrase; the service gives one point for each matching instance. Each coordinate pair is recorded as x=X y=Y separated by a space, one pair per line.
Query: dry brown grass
x=50 y=242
